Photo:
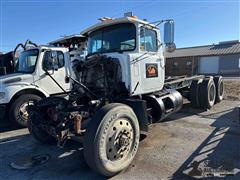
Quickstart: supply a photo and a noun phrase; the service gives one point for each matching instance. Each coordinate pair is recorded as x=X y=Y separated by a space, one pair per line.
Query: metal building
x=222 y=58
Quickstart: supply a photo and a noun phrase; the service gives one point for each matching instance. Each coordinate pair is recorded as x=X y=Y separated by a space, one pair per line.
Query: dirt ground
x=232 y=89
x=189 y=144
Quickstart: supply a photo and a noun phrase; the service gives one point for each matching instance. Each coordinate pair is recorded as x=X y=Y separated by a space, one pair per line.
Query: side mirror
x=170 y=47
x=53 y=54
x=169 y=36
x=53 y=60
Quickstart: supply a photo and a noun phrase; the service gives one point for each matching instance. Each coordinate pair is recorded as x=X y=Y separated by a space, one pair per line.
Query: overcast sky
x=196 y=22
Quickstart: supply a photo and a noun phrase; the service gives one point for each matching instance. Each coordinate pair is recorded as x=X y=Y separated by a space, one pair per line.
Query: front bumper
x=3 y=108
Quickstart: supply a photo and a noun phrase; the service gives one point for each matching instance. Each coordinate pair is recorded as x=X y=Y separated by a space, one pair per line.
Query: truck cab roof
x=44 y=47
x=109 y=21
x=71 y=39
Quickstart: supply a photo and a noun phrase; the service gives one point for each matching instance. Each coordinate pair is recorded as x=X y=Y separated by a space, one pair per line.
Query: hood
x=15 y=78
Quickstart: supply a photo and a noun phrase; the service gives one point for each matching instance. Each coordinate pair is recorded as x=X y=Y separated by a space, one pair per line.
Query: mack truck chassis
x=113 y=103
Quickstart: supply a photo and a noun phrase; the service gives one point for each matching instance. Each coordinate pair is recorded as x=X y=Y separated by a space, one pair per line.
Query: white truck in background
x=30 y=82
x=8 y=60
x=76 y=44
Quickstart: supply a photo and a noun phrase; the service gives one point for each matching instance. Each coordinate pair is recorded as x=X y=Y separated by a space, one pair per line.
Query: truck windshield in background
x=114 y=38
x=27 y=61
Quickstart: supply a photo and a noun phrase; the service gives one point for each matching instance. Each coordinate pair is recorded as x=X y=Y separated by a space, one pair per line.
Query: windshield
x=120 y=37
x=27 y=61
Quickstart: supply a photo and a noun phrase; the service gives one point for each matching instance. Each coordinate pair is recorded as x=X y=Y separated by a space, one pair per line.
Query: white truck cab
x=30 y=81
x=137 y=46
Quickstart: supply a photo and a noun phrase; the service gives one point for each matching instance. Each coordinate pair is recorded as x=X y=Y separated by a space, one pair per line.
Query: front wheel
x=111 y=140
x=18 y=109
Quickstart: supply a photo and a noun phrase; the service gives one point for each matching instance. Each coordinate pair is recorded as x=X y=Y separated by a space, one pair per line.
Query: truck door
x=151 y=63
x=47 y=83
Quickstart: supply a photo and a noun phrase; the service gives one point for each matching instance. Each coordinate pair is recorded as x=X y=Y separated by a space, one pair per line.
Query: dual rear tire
x=219 y=88
x=207 y=94
x=204 y=93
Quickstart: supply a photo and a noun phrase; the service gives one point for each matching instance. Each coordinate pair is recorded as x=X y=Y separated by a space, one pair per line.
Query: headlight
x=2 y=94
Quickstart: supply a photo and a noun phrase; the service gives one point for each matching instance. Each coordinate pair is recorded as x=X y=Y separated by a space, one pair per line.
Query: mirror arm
x=160 y=43
x=161 y=21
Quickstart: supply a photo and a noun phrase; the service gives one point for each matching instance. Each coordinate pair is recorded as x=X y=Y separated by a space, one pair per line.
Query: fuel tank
x=162 y=104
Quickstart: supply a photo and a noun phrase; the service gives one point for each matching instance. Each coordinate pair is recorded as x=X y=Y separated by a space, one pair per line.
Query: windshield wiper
x=114 y=50
x=107 y=51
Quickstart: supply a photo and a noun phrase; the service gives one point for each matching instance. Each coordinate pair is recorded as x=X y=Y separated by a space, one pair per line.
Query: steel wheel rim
x=23 y=111
x=212 y=93
x=221 y=89
x=119 y=142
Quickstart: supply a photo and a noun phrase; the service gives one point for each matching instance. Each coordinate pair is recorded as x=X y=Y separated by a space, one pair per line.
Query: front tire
x=18 y=112
x=111 y=140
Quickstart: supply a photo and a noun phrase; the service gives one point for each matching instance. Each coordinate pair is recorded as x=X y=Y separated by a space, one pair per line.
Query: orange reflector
x=134 y=17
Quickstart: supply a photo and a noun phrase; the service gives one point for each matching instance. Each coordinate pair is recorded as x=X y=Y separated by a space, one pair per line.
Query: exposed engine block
x=102 y=75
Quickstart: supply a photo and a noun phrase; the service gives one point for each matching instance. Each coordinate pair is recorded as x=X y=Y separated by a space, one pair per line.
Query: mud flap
x=140 y=109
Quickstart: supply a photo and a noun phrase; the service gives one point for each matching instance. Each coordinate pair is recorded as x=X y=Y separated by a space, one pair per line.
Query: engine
x=103 y=76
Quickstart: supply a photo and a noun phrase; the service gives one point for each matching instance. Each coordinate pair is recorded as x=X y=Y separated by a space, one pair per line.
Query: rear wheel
x=194 y=91
x=207 y=93
x=219 y=88
x=111 y=140
x=18 y=109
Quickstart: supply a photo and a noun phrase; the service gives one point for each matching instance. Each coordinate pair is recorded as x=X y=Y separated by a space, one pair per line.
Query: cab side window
x=148 y=40
x=47 y=60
